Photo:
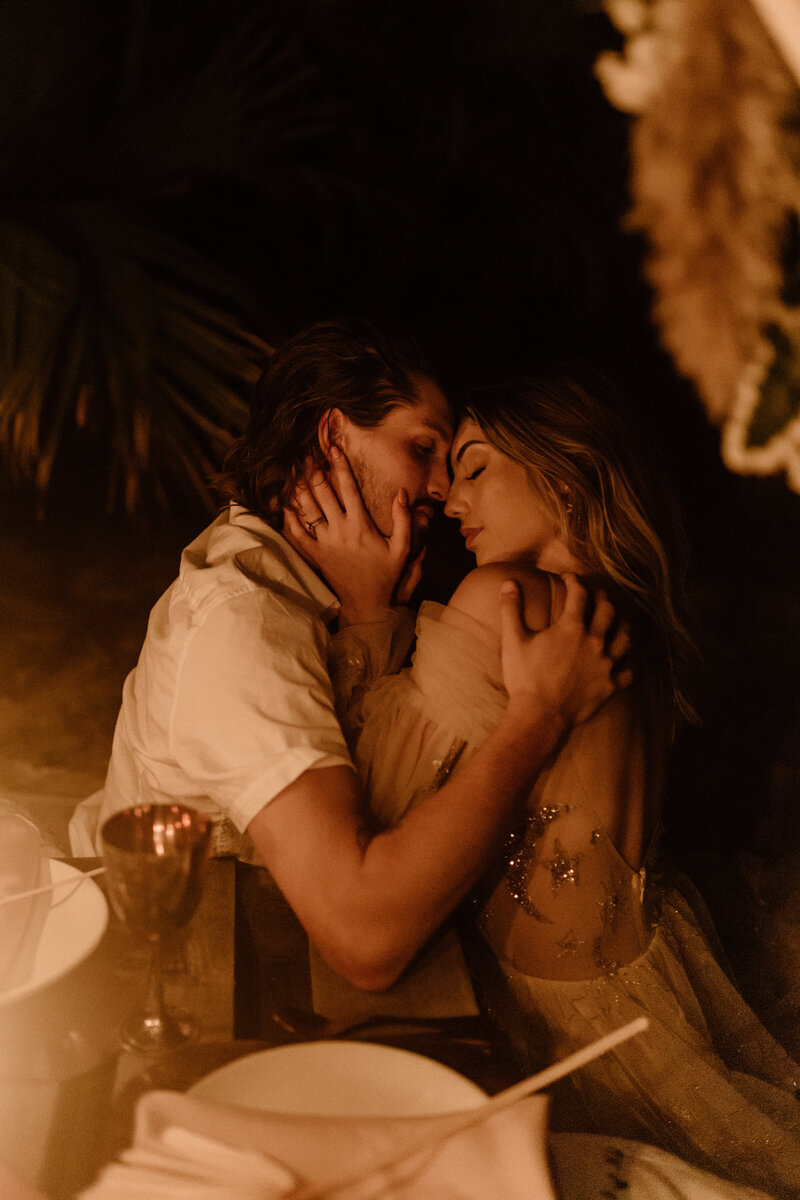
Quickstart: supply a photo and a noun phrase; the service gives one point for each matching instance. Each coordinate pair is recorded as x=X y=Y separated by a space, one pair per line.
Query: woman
x=548 y=479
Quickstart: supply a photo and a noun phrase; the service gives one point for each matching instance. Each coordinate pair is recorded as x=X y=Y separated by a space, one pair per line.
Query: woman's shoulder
x=478 y=594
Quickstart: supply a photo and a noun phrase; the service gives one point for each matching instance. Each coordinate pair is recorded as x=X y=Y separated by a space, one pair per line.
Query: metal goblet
x=155 y=855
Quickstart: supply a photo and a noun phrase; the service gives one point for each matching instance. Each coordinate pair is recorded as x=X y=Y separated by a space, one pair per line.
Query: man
x=231 y=708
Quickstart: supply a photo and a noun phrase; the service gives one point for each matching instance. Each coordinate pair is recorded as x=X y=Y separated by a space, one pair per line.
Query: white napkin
x=22 y=867
x=188 y=1148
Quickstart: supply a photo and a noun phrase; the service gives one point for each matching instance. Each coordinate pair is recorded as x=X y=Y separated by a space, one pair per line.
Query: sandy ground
x=74 y=601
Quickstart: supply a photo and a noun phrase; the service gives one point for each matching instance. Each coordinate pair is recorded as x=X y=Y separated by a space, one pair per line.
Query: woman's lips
x=469 y=536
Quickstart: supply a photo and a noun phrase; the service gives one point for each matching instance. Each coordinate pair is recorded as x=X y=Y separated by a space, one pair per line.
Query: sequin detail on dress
x=562 y=868
x=521 y=851
x=570 y=943
x=444 y=767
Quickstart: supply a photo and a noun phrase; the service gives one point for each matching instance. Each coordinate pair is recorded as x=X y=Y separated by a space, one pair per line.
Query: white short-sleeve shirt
x=231 y=699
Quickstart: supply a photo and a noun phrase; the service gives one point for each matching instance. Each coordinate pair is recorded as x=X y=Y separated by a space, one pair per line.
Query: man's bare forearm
x=411 y=877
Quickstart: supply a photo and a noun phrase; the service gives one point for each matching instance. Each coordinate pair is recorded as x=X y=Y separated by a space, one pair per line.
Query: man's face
x=408 y=450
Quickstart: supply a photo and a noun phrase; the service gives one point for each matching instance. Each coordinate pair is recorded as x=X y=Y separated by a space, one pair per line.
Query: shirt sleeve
x=254 y=706
x=361 y=655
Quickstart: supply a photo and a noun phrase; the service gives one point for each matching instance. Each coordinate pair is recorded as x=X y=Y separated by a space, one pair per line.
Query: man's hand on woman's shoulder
x=570 y=668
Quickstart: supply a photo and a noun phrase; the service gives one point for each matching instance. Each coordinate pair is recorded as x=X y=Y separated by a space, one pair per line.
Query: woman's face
x=501 y=518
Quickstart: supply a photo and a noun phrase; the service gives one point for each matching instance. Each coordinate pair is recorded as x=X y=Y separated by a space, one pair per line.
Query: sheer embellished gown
x=586 y=931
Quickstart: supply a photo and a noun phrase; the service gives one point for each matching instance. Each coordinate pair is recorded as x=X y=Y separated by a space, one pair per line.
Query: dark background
x=450 y=165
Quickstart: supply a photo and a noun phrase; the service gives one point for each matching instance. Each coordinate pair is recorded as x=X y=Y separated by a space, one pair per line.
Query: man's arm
x=370 y=901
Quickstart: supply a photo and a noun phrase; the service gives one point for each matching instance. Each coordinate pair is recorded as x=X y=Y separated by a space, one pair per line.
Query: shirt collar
x=274 y=560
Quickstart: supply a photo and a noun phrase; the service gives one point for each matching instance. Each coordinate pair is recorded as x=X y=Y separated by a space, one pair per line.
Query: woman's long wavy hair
x=599 y=479
x=346 y=364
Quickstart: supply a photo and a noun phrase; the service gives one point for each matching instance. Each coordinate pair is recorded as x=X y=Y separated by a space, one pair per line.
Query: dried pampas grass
x=715 y=182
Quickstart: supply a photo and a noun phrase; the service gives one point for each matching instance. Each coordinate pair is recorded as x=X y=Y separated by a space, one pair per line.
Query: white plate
x=345 y=1079
x=75 y=923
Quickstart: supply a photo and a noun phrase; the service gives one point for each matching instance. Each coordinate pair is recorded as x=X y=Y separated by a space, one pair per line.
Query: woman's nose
x=454 y=506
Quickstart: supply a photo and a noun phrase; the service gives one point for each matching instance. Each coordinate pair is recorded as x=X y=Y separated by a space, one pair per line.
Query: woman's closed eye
x=474 y=474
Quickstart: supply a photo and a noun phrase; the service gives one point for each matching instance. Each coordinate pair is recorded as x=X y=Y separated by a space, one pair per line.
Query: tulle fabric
x=420 y=724
x=707 y=1081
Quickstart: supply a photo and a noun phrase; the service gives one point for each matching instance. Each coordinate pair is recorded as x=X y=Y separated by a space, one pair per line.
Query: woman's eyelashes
x=474 y=473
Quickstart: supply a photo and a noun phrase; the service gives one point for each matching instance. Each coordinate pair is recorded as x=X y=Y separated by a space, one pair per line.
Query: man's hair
x=346 y=364
x=593 y=469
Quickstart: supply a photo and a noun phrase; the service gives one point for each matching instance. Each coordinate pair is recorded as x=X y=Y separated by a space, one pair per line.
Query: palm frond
x=251 y=100
x=113 y=327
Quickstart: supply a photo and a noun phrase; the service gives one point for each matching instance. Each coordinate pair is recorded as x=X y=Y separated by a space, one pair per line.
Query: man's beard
x=377 y=496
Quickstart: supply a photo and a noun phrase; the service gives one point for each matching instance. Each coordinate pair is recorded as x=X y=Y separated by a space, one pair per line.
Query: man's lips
x=469 y=536
x=422 y=513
